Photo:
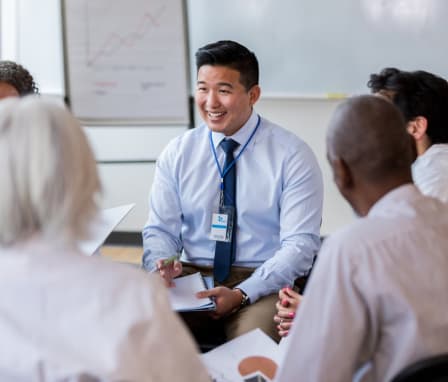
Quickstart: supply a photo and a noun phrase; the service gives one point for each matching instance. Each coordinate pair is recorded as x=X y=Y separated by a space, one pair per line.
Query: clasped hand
x=287 y=304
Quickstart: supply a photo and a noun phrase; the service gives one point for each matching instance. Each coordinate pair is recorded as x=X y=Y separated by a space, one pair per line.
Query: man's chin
x=216 y=128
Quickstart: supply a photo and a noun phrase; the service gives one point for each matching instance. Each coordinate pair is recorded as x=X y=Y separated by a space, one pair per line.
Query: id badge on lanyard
x=223 y=220
x=222 y=224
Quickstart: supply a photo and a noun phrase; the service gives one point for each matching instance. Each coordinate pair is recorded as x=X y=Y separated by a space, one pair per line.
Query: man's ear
x=342 y=175
x=254 y=94
x=417 y=127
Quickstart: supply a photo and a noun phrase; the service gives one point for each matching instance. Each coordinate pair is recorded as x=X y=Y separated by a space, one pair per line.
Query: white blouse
x=430 y=172
x=63 y=314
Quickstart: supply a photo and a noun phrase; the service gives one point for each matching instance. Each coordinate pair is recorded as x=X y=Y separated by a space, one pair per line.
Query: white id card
x=222 y=224
x=219 y=227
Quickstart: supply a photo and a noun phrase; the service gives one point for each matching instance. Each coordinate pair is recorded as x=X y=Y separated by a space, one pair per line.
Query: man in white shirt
x=378 y=293
x=270 y=221
x=422 y=97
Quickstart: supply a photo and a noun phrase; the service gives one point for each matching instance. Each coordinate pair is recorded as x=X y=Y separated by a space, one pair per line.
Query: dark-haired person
x=377 y=295
x=273 y=236
x=422 y=97
x=15 y=80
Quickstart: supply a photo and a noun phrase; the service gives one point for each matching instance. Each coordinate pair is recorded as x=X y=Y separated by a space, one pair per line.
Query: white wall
x=36 y=43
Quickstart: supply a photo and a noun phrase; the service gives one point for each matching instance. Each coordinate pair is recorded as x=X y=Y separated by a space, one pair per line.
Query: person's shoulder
x=351 y=239
x=286 y=146
x=432 y=208
x=97 y=269
x=93 y=277
x=435 y=159
x=438 y=149
x=121 y=282
x=398 y=223
x=282 y=137
x=186 y=140
x=280 y=133
x=199 y=132
x=114 y=271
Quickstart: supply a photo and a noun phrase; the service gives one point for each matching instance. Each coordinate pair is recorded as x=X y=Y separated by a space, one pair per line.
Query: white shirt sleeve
x=328 y=334
x=300 y=219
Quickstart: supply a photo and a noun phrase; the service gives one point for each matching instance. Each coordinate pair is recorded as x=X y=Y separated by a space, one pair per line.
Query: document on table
x=183 y=294
x=253 y=356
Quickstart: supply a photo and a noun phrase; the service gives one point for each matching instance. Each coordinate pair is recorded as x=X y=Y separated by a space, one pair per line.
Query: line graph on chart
x=113 y=42
x=127 y=59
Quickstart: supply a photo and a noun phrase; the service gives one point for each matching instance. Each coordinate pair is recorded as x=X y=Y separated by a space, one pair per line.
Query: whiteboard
x=126 y=61
x=325 y=48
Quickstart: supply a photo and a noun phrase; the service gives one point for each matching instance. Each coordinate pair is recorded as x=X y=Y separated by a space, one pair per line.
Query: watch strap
x=245 y=300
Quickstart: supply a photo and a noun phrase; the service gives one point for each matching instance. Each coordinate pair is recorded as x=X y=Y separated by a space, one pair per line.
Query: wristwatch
x=245 y=300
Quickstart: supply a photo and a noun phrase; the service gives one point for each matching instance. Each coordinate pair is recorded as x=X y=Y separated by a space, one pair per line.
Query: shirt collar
x=394 y=199
x=430 y=152
x=241 y=136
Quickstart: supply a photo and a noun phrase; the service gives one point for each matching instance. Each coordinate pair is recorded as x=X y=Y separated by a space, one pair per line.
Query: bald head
x=369 y=134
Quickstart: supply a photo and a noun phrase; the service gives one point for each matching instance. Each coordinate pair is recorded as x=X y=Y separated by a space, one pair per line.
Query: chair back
x=432 y=369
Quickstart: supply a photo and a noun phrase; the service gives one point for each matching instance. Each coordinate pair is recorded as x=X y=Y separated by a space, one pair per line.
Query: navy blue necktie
x=225 y=251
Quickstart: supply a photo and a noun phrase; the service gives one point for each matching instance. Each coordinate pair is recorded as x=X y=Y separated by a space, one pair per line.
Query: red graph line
x=114 y=42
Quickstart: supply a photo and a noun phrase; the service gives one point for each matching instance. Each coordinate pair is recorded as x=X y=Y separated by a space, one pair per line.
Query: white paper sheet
x=102 y=226
x=183 y=294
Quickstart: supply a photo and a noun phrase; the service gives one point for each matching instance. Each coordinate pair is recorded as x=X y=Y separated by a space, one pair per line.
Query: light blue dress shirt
x=279 y=195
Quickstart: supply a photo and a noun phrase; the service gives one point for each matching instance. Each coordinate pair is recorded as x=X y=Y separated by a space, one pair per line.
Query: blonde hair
x=49 y=176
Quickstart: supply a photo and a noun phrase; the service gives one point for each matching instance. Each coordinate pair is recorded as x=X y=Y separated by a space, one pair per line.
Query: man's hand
x=226 y=300
x=286 y=305
x=169 y=271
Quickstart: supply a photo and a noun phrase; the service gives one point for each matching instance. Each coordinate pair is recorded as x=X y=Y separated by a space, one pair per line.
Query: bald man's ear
x=342 y=175
x=417 y=127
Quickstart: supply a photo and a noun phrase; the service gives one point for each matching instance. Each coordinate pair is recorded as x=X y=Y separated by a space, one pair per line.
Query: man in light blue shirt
x=277 y=197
